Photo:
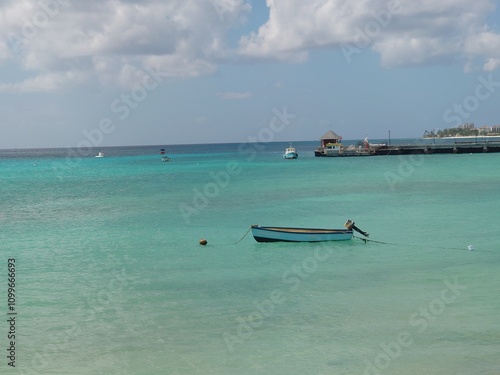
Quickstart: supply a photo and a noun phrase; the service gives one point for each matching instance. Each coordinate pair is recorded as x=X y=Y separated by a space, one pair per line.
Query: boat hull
x=282 y=234
x=344 y=153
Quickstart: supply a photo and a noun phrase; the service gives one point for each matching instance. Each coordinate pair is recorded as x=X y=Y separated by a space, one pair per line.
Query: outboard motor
x=349 y=224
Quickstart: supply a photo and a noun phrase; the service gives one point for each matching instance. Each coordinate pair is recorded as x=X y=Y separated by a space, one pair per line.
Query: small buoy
x=470 y=247
x=203 y=242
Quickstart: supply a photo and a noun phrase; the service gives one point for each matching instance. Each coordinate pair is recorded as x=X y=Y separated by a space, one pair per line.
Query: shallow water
x=111 y=278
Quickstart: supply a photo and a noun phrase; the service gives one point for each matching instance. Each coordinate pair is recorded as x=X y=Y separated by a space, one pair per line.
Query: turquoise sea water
x=110 y=278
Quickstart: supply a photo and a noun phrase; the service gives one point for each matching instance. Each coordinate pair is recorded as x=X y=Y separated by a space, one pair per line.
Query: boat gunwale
x=303 y=230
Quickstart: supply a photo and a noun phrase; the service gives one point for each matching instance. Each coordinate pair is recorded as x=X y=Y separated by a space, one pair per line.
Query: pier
x=331 y=146
x=452 y=148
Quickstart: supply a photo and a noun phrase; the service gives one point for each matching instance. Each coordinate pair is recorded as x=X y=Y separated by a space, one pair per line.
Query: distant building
x=465 y=130
x=330 y=137
x=485 y=129
x=467 y=125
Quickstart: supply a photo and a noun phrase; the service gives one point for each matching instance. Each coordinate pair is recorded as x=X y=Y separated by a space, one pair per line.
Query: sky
x=123 y=72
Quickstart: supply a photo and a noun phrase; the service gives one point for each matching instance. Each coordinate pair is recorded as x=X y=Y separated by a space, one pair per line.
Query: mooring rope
x=470 y=247
x=241 y=239
x=365 y=240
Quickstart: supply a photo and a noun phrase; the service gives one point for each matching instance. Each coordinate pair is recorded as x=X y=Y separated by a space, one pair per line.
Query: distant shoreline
x=464 y=136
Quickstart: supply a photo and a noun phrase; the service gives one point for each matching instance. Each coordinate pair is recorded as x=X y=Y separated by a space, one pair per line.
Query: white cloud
x=486 y=44
x=491 y=64
x=403 y=32
x=114 y=41
x=45 y=82
x=234 y=95
x=4 y=51
x=59 y=43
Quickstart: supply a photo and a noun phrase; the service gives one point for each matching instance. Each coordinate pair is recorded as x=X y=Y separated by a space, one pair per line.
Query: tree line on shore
x=458 y=132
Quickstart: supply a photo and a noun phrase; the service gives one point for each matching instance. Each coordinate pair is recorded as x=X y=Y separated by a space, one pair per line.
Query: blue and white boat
x=164 y=157
x=286 y=234
x=290 y=153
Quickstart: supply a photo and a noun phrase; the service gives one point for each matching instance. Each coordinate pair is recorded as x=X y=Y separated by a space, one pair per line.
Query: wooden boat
x=286 y=234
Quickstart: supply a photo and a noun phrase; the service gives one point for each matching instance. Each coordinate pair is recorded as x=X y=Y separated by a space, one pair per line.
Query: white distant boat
x=290 y=153
x=100 y=155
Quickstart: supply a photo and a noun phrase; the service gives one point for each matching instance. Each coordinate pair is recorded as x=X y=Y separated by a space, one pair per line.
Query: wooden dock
x=452 y=148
